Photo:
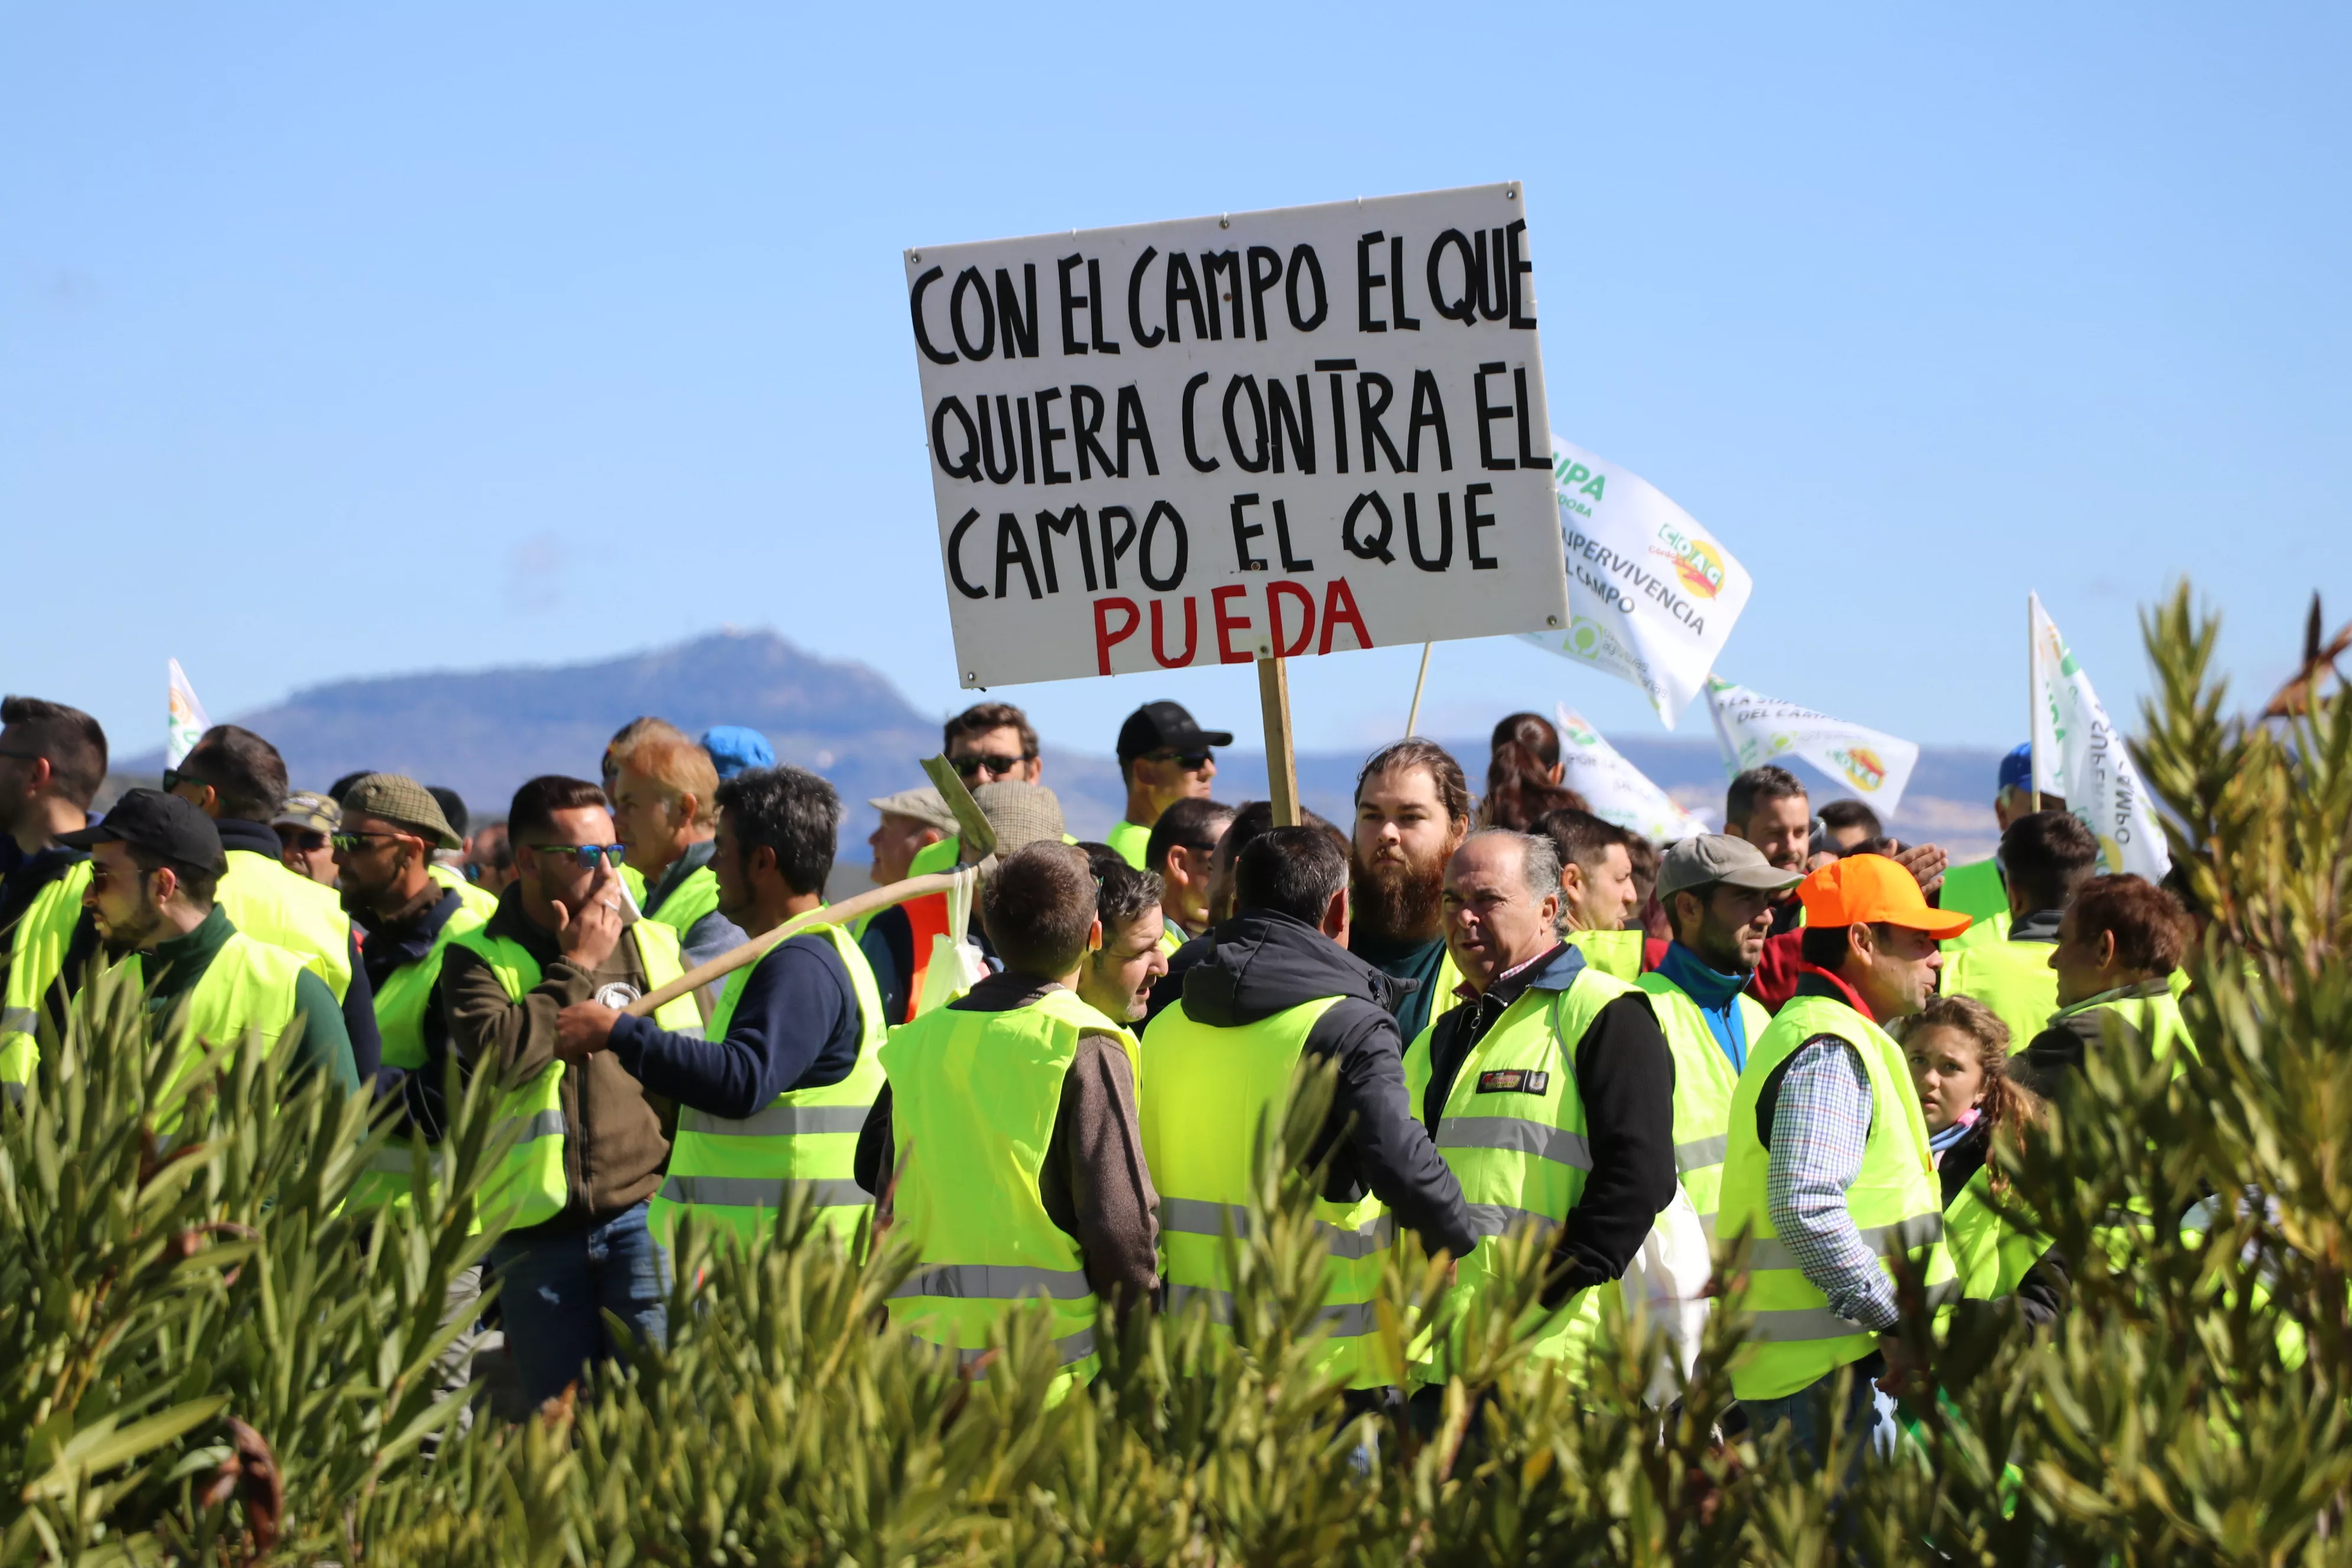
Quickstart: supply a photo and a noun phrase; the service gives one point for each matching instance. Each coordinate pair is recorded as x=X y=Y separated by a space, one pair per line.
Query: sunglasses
x=981 y=762
x=174 y=778
x=587 y=855
x=309 y=840
x=350 y=842
x=1192 y=761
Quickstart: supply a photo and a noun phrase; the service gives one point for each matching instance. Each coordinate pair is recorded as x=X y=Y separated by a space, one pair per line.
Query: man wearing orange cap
x=1828 y=1170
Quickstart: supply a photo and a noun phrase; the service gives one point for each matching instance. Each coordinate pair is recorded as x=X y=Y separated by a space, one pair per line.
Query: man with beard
x=1718 y=892
x=155 y=865
x=1412 y=811
x=383 y=869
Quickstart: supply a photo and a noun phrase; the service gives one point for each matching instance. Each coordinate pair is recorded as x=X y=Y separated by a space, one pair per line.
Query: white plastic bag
x=1666 y=1281
x=956 y=963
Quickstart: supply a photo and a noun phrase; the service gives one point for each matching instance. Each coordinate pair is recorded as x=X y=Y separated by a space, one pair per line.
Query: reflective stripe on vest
x=269 y=903
x=1520 y=1152
x=1798 y=1339
x=1616 y=954
x=529 y=1186
x=695 y=896
x=1704 y=1082
x=2012 y=978
x=37 y=959
x=973 y=1100
x=1207 y=1092
x=735 y=1174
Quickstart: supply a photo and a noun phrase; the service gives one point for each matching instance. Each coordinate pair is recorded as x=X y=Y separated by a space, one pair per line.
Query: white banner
x=1303 y=431
x=1755 y=730
x=1617 y=790
x=2078 y=753
x=186 y=723
x=1652 y=595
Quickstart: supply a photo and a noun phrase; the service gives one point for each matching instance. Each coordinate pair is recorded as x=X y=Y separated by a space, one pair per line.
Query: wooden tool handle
x=753 y=951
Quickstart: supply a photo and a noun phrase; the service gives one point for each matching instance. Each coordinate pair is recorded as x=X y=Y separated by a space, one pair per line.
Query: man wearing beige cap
x=912 y=820
x=1719 y=893
x=899 y=942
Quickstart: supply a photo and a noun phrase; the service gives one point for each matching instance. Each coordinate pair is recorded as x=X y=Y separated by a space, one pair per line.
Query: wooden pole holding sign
x=1412 y=714
x=1281 y=761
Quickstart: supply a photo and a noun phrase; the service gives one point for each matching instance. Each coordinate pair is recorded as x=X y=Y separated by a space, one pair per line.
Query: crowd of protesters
x=1799 y=1033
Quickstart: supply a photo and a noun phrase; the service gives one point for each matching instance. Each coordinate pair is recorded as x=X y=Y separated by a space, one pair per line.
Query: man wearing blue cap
x=734 y=749
x=1977 y=889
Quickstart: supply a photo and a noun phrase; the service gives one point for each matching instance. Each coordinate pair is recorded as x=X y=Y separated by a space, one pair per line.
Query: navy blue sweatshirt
x=795 y=1027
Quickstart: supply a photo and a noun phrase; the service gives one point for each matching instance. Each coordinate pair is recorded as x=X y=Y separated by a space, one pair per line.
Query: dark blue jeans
x=1869 y=1416
x=555 y=1285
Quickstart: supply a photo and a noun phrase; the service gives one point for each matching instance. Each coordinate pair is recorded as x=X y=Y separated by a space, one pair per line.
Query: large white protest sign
x=1614 y=788
x=1755 y=730
x=1652 y=595
x=2078 y=755
x=1261 y=435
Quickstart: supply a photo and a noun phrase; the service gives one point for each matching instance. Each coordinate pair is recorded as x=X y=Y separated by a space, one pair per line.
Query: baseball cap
x=734 y=749
x=924 y=805
x=1707 y=859
x=1022 y=814
x=160 y=824
x=1870 y=889
x=2016 y=768
x=307 y=808
x=1166 y=726
x=395 y=797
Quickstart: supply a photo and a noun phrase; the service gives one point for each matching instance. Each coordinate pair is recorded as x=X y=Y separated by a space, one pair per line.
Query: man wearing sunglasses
x=306 y=828
x=574 y=1188
x=989 y=743
x=237 y=779
x=52 y=761
x=390 y=826
x=1163 y=757
x=772 y=1095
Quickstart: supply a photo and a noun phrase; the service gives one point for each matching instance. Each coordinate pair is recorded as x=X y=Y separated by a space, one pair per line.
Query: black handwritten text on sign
x=1295 y=432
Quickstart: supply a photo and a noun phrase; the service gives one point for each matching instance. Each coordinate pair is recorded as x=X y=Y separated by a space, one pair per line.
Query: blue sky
x=337 y=341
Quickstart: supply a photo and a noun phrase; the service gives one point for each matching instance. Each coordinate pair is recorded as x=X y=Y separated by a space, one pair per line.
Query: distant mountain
x=482 y=733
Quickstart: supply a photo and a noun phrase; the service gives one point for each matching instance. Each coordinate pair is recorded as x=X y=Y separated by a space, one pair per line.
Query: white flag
x=2078 y=753
x=1756 y=729
x=1617 y=790
x=1652 y=595
x=187 y=723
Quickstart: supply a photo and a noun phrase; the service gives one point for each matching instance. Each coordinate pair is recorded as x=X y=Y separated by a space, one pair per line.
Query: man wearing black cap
x=1163 y=757
x=156 y=865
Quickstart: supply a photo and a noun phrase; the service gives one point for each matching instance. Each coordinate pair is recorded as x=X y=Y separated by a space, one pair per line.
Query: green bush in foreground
x=202 y=1360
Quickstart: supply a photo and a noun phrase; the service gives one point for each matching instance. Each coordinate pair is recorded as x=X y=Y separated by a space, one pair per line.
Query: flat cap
x=395 y=797
x=924 y=805
x=1022 y=814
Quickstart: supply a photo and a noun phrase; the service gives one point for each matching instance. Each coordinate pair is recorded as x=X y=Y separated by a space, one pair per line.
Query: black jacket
x=1625 y=1077
x=1259 y=964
